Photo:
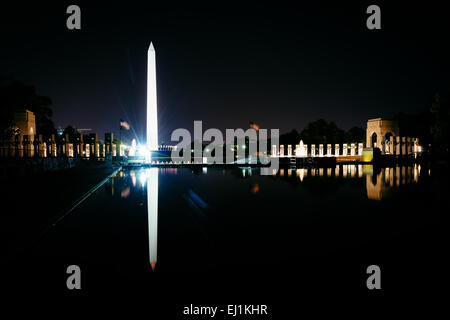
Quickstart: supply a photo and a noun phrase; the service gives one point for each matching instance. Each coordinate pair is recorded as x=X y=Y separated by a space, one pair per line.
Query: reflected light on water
x=125 y=193
x=381 y=183
x=143 y=178
x=133 y=178
x=255 y=188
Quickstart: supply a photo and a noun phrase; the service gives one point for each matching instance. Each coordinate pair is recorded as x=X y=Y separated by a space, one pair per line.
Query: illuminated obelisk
x=152 y=109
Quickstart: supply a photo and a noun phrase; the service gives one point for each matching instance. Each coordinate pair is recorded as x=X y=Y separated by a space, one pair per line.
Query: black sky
x=278 y=65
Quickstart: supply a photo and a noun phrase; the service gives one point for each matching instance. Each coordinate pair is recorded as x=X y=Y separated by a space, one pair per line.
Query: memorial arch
x=379 y=131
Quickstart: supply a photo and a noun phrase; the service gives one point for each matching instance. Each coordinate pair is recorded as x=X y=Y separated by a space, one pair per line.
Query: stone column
x=313 y=150
x=20 y=146
x=44 y=149
x=344 y=150
x=320 y=150
x=289 y=150
x=408 y=145
x=352 y=149
x=53 y=143
x=391 y=145
x=329 y=150
x=403 y=146
x=416 y=145
x=66 y=145
x=360 y=148
x=97 y=149
x=31 y=145
x=274 y=151
x=41 y=148
x=336 y=150
x=281 y=150
x=397 y=146
x=297 y=150
x=81 y=145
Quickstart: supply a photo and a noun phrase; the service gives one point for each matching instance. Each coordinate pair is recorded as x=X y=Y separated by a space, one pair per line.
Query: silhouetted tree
x=292 y=137
x=440 y=129
x=320 y=131
x=356 y=134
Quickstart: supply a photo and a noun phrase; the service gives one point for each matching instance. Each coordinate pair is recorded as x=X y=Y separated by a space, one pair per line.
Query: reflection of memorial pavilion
x=381 y=185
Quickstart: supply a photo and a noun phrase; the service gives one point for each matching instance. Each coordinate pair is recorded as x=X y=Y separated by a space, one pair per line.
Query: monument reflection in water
x=152 y=213
x=376 y=183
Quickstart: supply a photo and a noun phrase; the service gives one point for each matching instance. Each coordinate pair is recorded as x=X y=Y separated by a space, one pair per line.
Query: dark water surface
x=216 y=231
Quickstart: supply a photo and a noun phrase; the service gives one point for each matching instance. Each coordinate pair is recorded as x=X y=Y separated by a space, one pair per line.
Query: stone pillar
x=329 y=150
x=391 y=145
x=320 y=150
x=397 y=146
x=274 y=150
x=44 y=149
x=416 y=145
x=114 y=151
x=281 y=150
x=41 y=147
x=344 y=149
x=336 y=150
x=387 y=146
x=31 y=138
x=66 y=145
x=313 y=150
x=70 y=150
x=20 y=146
x=26 y=146
x=289 y=150
x=408 y=145
x=352 y=149
x=403 y=146
x=360 y=148
x=87 y=152
x=53 y=143
x=297 y=150
x=97 y=149
x=305 y=148
x=81 y=146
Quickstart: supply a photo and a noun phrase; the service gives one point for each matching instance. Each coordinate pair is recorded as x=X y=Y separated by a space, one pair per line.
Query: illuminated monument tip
x=153 y=266
x=152 y=109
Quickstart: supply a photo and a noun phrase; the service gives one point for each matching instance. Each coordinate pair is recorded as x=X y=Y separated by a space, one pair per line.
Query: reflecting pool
x=215 y=220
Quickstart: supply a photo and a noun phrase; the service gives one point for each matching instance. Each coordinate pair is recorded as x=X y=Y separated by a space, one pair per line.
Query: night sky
x=280 y=67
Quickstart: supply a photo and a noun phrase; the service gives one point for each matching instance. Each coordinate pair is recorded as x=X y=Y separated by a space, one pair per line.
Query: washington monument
x=152 y=109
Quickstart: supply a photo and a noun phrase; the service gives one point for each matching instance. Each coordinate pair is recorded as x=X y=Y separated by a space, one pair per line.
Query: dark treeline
x=321 y=131
x=431 y=125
